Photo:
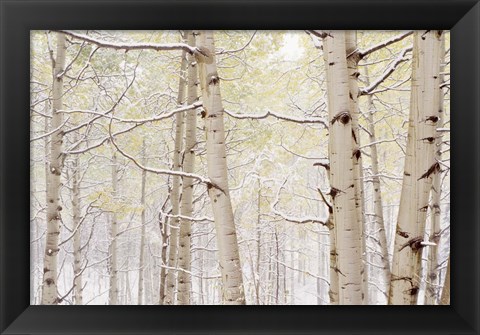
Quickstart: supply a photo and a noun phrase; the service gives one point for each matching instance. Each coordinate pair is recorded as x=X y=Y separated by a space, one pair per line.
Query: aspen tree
x=432 y=289
x=184 y=252
x=378 y=220
x=420 y=167
x=50 y=274
x=141 y=270
x=352 y=64
x=230 y=266
x=445 y=298
x=348 y=232
x=113 y=266
x=175 y=192
x=77 y=237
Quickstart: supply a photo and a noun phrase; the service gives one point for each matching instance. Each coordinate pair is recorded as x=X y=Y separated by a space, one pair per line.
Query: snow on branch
x=278 y=116
x=400 y=59
x=395 y=39
x=289 y=218
x=137 y=121
x=131 y=46
x=201 y=179
x=185 y=217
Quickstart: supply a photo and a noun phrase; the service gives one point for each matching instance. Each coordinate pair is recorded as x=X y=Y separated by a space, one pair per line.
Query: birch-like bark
x=113 y=285
x=420 y=167
x=49 y=288
x=256 y=275
x=352 y=64
x=445 y=298
x=163 y=272
x=175 y=193
x=141 y=271
x=348 y=232
x=184 y=252
x=77 y=237
x=432 y=291
x=333 y=288
x=378 y=224
x=231 y=269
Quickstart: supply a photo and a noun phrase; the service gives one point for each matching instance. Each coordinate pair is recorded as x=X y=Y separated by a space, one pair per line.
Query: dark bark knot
x=357 y=154
x=435 y=168
x=413 y=290
x=433 y=119
x=414 y=243
x=214 y=80
x=425 y=33
x=429 y=140
x=343 y=117
x=334 y=192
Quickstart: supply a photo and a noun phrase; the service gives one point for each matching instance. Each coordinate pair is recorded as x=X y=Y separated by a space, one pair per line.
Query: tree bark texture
x=113 y=288
x=353 y=74
x=348 y=231
x=432 y=291
x=141 y=272
x=420 y=167
x=230 y=266
x=175 y=192
x=77 y=237
x=378 y=220
x=54 y=208
x=184 y=252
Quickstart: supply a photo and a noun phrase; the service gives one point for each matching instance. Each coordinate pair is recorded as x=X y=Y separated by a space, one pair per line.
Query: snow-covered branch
x=278 y=116
x=131 y=46
x=201 y=179
x=395 y=39
x=400 y=59
x=289 y=218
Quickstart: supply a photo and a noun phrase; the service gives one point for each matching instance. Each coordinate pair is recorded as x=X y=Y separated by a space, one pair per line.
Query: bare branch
x=131 y=46
x=395 y=39
x=278 y=116
x=400 y=59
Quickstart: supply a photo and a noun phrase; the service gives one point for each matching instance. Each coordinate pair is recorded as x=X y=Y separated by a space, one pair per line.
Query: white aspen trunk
x=113 y=286
x=276 y=256
x=33 y=222
x=333 y=288
x=231 y=269
x=163 y=272
x=256 y=274
x=332 y=260
x=128 y=290
x=420 y=167
x=320 y=269
x=353 y=74
x=378 y=224
x=445 y=298
x=175 y=192
x=77 y=237
x=302 y=257
x=49 y=289
x=184 y=252
x=348 y=232
x=141 y=270
x=432 y=291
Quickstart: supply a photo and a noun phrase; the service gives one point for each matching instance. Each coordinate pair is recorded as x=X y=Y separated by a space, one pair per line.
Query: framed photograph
x=271 y=166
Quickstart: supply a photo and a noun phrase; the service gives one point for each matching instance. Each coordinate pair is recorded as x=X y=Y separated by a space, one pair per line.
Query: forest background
x=124 y=109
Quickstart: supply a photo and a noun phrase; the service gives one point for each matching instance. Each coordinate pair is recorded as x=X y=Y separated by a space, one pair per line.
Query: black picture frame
x=18 y=17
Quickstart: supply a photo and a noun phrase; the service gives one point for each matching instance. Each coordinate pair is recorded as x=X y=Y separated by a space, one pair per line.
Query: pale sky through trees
x=240 y=167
